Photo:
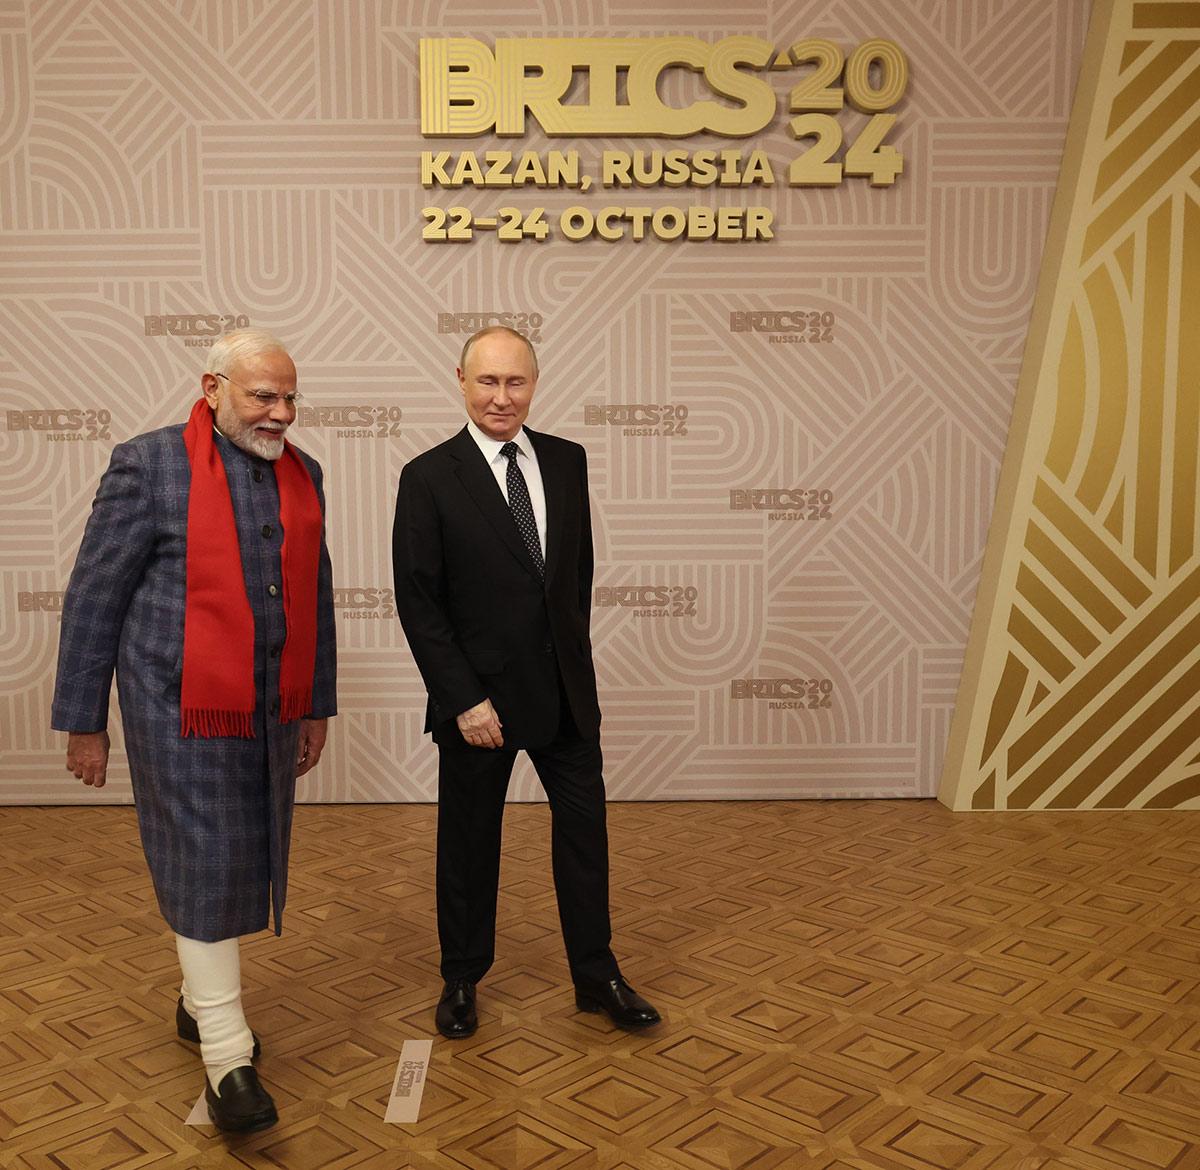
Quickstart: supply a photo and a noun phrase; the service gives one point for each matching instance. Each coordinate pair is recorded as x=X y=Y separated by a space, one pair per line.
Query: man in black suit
x=492 y=553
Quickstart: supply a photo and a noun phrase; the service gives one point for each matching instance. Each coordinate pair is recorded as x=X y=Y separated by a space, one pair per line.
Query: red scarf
x=218 y=696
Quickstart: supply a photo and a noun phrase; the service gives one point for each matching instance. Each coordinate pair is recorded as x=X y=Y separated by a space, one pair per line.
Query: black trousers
x=472 y=784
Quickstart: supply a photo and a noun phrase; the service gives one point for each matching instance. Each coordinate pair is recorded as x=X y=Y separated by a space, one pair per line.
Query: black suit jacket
x=479 y=620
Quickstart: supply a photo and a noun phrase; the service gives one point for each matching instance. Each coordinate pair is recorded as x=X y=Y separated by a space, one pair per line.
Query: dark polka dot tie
x=521 y=508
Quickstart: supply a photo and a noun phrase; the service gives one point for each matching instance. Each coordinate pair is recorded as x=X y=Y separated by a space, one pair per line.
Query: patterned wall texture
x=1083 y=680
x=172 y=168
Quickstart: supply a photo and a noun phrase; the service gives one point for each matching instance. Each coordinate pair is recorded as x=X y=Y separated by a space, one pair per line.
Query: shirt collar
x=491 y=447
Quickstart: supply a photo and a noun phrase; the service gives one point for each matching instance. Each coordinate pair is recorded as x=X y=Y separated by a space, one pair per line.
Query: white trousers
x=212 y=996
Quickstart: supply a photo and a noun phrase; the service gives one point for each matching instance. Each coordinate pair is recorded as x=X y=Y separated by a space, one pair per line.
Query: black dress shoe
x=624 y=1006
x=242 y=1104
x=455 y=1016
x=187 y=1029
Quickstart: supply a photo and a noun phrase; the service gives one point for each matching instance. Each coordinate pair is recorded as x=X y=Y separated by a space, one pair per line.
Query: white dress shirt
x=528 y=463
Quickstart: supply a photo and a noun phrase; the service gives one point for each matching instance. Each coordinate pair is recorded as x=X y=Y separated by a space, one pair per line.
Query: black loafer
x=242 y=1105
x=455 y=1016
x=624 y=1006
x=187 y=1029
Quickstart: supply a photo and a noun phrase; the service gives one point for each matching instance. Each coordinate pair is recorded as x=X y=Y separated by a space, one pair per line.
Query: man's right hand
x=87 y=756
x=480 y=726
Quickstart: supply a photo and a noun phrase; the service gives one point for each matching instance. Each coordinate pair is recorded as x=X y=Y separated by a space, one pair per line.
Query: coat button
x=272 y=589
x=267 y=530
x=548 y=648
x=258 y=475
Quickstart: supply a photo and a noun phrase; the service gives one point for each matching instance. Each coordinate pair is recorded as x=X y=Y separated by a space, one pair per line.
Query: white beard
x=243 y=435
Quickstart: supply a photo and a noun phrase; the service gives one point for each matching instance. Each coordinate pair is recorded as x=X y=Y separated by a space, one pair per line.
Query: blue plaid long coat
x=215 y=814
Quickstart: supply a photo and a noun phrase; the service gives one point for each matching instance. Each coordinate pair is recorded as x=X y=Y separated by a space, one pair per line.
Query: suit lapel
x=480 y=484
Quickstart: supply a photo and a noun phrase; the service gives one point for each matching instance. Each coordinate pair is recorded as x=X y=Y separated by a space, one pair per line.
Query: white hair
x=239 y=346
x=490 y=331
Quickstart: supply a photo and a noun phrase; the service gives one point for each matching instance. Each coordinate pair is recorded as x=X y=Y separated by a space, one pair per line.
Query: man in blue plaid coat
x=204 y=581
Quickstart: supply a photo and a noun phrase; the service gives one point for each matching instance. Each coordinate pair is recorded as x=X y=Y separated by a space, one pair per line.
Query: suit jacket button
x=272 y=589
x=258 y=475
x=267 y=530
x=548 y=648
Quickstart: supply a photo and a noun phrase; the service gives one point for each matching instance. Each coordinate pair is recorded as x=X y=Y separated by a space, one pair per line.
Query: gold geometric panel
x=1081 y=687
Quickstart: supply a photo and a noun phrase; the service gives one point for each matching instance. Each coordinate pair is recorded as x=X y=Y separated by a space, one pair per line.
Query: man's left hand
x=312 y=743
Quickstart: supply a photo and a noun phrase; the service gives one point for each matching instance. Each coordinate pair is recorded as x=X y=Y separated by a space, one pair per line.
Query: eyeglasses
x=264 y=397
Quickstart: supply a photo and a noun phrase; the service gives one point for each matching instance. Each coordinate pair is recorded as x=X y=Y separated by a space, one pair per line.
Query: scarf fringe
x=295 y=705
x=207 y=723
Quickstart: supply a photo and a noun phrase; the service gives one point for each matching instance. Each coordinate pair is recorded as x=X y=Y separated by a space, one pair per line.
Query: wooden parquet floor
x=845 y=984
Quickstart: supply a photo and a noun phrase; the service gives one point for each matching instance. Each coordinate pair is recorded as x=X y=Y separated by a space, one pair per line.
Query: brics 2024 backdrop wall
x=790 y=348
